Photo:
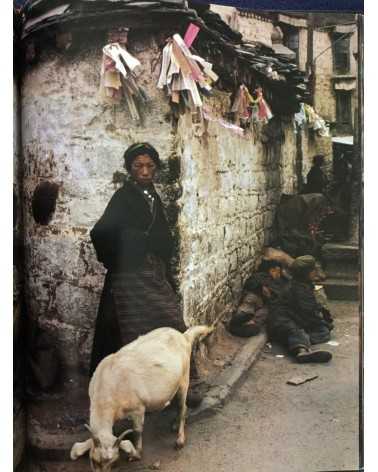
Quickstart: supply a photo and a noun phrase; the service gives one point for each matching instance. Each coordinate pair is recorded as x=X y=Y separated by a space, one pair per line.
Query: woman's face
x=143 y=170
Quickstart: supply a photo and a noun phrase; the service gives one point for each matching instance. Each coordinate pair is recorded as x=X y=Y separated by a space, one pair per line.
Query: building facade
x=221 y=187
x=325 y=46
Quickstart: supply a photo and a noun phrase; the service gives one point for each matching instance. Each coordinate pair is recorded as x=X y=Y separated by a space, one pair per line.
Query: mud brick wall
x=73 y=141
x=230 y=188
x=221 y=191
x=251 y=26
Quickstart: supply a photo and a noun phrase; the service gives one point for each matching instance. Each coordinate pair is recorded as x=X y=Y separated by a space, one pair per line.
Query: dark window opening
x=291 y=39
x=341 y=54
x=44 y=202
x=344 y=111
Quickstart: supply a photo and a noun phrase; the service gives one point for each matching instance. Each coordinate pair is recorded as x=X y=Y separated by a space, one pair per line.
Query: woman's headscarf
x=136 y=150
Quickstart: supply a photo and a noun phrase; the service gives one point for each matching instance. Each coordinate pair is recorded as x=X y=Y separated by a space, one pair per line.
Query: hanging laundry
x=300 y=119
x=184 y=75
x=119 y=80
x=242 y=106
x=260 y=111
x=321 y=127
x=316 y=122
x=250 y=108
x=310 y=114
x=121 y=58
x=271 y=73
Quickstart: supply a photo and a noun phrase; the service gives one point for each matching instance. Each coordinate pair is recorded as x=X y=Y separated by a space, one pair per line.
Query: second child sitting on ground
x=252 y=312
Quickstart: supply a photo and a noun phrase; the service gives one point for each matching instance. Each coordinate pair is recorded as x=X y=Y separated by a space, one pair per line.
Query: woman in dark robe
x=133 y=241
x=316 y=179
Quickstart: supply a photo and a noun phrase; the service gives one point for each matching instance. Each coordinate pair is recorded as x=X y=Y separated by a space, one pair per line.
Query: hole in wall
x=44 y=202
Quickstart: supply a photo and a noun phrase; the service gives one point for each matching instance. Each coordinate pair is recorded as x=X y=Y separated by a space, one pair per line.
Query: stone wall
x=231 y=186
x=74 y=141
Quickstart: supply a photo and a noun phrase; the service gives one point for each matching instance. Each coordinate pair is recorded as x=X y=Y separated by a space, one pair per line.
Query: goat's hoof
x=135 y=457
x=179 y=444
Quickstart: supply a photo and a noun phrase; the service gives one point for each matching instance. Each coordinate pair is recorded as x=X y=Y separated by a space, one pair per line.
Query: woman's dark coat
x=127 y=231
x=123 y=236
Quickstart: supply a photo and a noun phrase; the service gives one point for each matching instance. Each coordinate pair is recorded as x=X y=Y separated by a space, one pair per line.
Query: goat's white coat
x=143 y=376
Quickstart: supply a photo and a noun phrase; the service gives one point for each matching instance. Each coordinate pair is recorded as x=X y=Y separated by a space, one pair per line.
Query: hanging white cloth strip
x=116 y=52
x=225 y=124
x=182 y=73
x=118 y=80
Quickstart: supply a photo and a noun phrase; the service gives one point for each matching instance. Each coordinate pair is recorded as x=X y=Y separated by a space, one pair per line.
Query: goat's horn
x=121 y=436
x=96 y=441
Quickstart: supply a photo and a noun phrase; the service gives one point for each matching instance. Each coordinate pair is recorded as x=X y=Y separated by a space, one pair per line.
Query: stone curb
x=226 y=383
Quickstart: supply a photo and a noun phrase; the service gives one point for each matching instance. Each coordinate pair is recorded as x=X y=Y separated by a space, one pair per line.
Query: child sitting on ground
x=252 y=313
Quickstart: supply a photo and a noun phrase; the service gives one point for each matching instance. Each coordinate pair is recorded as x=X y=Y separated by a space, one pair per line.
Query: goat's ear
x=80 y=448
x=127 y=446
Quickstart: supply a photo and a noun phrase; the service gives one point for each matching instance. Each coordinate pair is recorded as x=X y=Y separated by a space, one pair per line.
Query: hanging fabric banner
x=191 y=34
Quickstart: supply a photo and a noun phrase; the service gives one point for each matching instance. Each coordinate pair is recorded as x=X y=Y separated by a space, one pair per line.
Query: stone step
x=342 y=289
x=341 y=260
x=340 y=251
x=341 y=271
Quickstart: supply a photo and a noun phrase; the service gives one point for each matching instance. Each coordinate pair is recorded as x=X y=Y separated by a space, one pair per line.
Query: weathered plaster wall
x=231 y=186
x=252 y=27
x=72 y=139
x=324 y=99
x=302 y=56
x=256 y=29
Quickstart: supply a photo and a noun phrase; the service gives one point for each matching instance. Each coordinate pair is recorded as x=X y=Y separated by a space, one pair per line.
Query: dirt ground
x=268 y=425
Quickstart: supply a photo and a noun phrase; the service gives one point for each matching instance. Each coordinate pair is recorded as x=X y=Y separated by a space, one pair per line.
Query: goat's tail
x=195 y=332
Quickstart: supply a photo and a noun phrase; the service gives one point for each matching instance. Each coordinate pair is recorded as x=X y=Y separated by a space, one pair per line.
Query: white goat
x=143 y=376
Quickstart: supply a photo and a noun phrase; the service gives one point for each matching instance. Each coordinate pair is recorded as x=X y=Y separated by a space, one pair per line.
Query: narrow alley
x=180 y=163
x=268 y=425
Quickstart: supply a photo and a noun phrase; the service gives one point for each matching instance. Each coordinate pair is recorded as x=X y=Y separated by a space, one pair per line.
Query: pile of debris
x=234 y=61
